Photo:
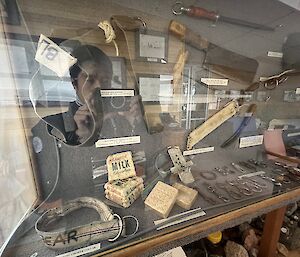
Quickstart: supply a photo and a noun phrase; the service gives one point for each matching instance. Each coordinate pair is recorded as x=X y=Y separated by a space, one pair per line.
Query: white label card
x=298 y=90
x=81 y=251
x=214 y=82
x=275 y=54
x=118 y=141
x=53 y=57
x=113 y=92
x=199 y=150
x=293 y=134
x=251 y=141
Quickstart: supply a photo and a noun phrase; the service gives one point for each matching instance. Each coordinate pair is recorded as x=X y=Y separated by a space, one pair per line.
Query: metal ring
x=120 y=221
x=136 y=227
x=115 y=106
x=163 y=173
x=177 y=8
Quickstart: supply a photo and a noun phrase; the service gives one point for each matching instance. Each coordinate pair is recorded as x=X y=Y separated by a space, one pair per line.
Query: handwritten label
x=251 y=141
x=113 y=92
x=275 y=54
x=298 y=90
x=214 y=82
x=81 y=251
x=293 y=134
x=53 y=57
x=118 y=141
x=199 y=150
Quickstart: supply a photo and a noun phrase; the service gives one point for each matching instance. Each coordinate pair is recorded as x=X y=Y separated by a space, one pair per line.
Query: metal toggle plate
x=181 y=166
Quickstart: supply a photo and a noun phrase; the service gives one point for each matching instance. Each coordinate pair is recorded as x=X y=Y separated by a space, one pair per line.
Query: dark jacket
x=75 y=164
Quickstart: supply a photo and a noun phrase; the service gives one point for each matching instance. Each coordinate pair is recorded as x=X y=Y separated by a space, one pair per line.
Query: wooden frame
x=10 y=12
x=151 y=46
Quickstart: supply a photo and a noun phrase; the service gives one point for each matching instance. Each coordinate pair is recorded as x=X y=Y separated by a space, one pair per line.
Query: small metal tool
x=222 y=171
x=230 y=191
x=242 y=188
x=275 y=182
x=214 y=191
x=260 y=184
x=205 y=197
x=248 y=165
x=258 y=163
x=238 y=167
x=253 y=186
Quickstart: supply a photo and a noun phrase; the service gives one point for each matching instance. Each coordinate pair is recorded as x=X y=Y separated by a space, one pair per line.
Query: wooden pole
x=271 y=232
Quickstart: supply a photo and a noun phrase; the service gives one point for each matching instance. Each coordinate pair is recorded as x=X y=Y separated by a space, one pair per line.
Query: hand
x=84 y=122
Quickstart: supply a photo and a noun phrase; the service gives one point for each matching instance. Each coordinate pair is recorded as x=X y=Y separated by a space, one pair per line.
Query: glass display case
x=128 y=120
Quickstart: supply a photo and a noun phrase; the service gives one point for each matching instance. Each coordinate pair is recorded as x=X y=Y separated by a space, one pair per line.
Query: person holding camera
x=87 y=120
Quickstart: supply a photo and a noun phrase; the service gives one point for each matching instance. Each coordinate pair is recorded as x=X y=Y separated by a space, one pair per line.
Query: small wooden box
x=186 y=196
x=162 y=199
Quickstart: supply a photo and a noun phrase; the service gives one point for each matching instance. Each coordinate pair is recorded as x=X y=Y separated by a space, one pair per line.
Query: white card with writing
x=275 y=54
x=118 y=141
x=81 y=251
x=298 y=90
x=214 y=82
x=118 y=92
x=251 y=141
x=120 y=166
x=53 y=57
x=199 y=150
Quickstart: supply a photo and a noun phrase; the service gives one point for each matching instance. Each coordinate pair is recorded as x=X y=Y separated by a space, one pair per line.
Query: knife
x=199 y=12
x=218 y=60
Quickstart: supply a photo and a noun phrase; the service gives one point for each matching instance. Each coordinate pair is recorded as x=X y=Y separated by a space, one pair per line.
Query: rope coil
x=109 y=34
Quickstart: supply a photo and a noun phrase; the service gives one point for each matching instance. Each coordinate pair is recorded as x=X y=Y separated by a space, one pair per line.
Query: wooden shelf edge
x=142 y=247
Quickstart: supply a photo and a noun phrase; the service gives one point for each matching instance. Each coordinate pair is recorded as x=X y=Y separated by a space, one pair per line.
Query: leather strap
x=109 y=227
x=212 y=123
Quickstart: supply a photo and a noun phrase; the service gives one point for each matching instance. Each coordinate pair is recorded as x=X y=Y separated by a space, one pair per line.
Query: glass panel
x=109 y=109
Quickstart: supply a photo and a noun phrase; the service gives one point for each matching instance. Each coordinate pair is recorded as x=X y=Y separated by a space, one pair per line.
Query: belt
x=110 y=226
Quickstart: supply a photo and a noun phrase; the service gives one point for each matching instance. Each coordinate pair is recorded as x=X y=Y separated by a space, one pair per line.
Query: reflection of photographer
x=88 y=119
x=92 y=115
x=92 y=72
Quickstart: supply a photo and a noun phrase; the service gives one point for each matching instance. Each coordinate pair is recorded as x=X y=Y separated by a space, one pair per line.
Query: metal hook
x=178 y=8
x=136 y=227
x=120 y=228
x=144 y=24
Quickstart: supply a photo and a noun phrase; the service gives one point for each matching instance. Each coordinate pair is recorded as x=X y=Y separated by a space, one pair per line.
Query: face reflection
x=91 y=79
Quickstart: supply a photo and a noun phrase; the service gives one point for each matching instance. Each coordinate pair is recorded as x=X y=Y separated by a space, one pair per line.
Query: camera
x=116 y=103
x=116 y=100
